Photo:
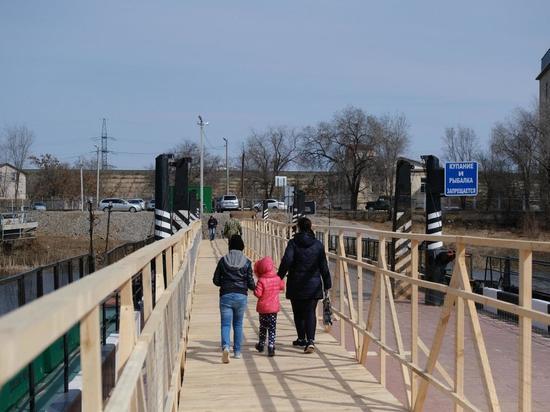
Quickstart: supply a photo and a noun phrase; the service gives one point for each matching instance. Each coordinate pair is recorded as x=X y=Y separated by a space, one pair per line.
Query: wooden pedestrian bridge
x=382 y=354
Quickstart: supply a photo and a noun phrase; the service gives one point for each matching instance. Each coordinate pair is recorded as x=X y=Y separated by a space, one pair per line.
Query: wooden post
x=359 y=249
x=90 y=362
x=459 y=352
x=348 y=292
x=340 y=275
x=382 y=264
x=159 y=277
x=525 y=299
x=169 y=265
x=147 y=293
x=414 y=317
x=127 y=325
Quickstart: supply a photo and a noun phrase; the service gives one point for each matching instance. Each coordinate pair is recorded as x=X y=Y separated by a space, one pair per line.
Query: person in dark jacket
x=305 y=262
x=233 y=276
x=212 y=224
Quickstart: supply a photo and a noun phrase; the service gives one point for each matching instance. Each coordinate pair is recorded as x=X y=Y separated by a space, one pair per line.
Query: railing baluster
x=459 y=352
x=159 y=277
x=127 y=334
x=90 y=362
x=382 y=293
x=525 y=324
x=414 y=318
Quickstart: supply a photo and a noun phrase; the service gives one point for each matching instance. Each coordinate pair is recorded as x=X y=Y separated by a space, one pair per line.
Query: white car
x=139 y=202
x=271 y=204
x=228 y=202
x=118 y=205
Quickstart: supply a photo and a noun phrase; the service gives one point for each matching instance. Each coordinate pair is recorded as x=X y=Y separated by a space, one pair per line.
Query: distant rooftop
x=544 y=64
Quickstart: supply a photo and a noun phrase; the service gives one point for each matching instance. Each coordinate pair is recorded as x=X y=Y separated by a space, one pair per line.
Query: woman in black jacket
x=233 y=275
x=305 y=262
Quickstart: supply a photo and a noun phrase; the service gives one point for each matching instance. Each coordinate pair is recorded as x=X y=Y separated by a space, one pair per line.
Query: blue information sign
x=461 y=179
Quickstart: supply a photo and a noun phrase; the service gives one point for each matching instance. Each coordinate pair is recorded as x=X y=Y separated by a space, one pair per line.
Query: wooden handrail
x=29 y=330
x=535 y=246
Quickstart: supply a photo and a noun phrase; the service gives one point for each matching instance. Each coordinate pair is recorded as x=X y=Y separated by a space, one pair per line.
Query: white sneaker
x=225 y=355
x=237 y=355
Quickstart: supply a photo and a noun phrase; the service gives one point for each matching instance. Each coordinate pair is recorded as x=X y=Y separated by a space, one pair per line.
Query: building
x=544 y=81
x=8 y=182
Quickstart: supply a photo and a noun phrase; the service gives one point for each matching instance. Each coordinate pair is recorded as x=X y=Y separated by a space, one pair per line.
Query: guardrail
x=363 y=307
x=159 y=347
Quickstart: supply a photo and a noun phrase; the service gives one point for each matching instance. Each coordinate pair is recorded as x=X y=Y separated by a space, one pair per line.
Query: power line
x=104 y=139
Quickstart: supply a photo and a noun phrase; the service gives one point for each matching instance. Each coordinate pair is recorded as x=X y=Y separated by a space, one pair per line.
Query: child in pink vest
x=267 y=291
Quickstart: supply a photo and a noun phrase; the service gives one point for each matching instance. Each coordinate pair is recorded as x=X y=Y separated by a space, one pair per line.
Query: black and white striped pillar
x=265 y=211
x=402 y=223
x=434 y=188
x=434 y=226
x=163 y=220
x=180 y=216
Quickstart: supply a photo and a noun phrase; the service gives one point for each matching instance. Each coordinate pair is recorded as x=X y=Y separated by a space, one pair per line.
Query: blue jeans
x=212 y=232
x=232 y=307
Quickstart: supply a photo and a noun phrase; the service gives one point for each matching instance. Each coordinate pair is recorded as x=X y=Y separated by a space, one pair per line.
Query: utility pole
x=226 y=169
x=104 y=139
x=81 y=189
x=242 y=180
x=97 y=178
x=201 y=124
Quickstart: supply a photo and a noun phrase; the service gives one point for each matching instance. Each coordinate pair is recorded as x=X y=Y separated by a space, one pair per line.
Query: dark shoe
x=270 y=351
x=299 y=342
x=310 y=348
x=260 y=347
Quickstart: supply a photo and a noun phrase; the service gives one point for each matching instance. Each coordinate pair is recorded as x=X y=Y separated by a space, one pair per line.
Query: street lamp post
x=201 y=124
x=226 y=169
x=97 y=177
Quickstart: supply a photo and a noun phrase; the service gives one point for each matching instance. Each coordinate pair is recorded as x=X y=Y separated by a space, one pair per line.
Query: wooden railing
x=418 y=374
x=150 y=361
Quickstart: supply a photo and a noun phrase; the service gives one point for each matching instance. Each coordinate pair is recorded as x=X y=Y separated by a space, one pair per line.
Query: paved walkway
x=330 y=379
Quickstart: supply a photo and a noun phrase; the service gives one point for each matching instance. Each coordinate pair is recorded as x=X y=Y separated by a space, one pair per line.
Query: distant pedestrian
x=305 y=262
x=233 y=276
x=212 y=225
x=267 y=291
x=232 y=227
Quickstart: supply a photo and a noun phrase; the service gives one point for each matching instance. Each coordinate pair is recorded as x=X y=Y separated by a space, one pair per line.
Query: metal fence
x=59 y=361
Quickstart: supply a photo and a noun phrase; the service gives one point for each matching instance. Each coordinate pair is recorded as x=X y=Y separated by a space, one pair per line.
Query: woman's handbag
x=327 y=312
x=327 y=309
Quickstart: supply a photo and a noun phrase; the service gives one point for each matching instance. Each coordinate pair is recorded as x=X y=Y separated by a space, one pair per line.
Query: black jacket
x=234 y=273
x=212 y=222
x=305 y=262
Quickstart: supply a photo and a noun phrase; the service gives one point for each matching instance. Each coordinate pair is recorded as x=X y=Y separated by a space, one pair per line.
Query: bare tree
x=393 y=140
x=346 y=145
x=18 y=140
x=495 y=173
x=54 y=178
x=460 y=144
x=269 y=153
x=212 y=163
x=517 y=140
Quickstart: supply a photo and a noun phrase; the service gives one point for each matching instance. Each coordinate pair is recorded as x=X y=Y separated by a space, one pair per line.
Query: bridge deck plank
x=329 y=379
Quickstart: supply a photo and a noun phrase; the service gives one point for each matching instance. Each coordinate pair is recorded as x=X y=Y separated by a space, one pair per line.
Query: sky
x=150 y=68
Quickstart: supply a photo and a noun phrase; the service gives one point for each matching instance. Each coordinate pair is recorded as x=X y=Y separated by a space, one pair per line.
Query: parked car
x=382 y=203
x=118 y=205
x=151 y=204
x=39 y=206
x=271 y=204
x=229 y=202
x=218 y=204
x=139 y=202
